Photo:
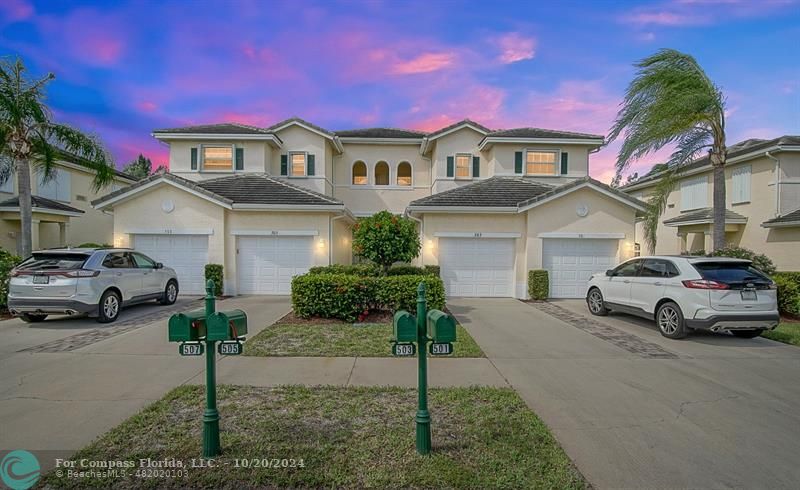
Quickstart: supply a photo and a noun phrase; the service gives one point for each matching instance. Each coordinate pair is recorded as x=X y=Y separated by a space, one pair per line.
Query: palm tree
x=671 y=101
x=29 y=138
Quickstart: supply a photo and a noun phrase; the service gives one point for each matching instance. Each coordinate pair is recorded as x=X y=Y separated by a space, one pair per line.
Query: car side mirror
x=610 y=273
x=159 y=265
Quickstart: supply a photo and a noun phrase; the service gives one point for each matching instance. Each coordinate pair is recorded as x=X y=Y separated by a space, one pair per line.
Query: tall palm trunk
x=718 y=231
x=25 y=206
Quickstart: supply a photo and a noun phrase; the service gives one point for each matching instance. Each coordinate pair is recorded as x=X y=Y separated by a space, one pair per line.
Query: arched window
x=381 y=173
x=359 y=173
x=404 y=174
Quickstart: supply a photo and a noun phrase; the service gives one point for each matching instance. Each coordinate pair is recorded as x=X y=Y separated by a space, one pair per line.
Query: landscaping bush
x=538 y=284
x=432 y=270
x=214 y=273
x=354 y=269
x=94 y=245
x=7 y=262
x=788 y=292
x=348 y=296
x=385 y=239
x=760 y=261
x=412 y=270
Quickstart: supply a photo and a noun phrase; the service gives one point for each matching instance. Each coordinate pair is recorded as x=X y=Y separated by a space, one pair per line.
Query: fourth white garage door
x=571 y=261
x=477 y=267
x=268 y=263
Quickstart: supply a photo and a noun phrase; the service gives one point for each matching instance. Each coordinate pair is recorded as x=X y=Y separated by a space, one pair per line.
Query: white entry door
x=187 y=254
x=267 y=264
x=571 y=261
x=477 y=267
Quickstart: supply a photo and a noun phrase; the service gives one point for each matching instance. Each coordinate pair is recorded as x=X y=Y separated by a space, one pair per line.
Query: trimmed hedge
x=374 y=270
x=7 y=262
x=760 y=261
x=433 y=270
x=214 y=272
x=788 y=292
x=348 y=296
x=538 y=284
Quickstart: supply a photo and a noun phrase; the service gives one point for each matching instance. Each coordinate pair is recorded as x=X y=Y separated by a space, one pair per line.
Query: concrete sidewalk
x=718 y=412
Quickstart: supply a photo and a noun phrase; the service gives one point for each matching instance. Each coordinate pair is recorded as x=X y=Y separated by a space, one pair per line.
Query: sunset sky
x=126 y=68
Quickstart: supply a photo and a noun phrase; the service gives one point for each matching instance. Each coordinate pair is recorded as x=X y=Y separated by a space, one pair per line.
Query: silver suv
x=97 y=282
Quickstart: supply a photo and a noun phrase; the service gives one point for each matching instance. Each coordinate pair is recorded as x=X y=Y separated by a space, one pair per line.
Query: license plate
x=749 y=295
x=41 y=279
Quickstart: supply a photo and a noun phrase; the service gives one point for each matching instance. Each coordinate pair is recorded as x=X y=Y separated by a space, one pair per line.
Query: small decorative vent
x=80 y=197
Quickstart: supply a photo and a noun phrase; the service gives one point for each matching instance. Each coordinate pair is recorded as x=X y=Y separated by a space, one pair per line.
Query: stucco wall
x=342 y=242
x=180 y=158
x=502 y=159
x=465 y=140
x=296 y=138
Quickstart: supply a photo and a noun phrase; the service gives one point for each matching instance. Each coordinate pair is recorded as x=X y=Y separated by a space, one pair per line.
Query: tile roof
x=380 y=133
x=792 y=218
x=740 y=148
x=539 y=133
x=239 y=189
x=493 y=192
x=457 y=124
x=302 y=121
x=223 y=128
x=40 y=203
x=578 y=182
x=704 y=214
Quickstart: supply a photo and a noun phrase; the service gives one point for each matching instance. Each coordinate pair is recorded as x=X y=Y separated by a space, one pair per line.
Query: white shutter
x=694 y=193
x=740 y=191
x=64 y=186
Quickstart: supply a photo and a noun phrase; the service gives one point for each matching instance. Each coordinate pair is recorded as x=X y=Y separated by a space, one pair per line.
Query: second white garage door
x=477 y=267
x=267 y=264
x=187 y=254
x=571 y=261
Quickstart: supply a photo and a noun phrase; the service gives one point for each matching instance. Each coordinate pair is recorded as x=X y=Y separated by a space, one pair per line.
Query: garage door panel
x=187 y=254
x=473 y=267
x=267 y=264
x=571 y=262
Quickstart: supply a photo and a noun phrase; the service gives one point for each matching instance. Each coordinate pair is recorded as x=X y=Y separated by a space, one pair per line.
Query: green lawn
x=339 y=340
x=787 y=332
x=345 y=437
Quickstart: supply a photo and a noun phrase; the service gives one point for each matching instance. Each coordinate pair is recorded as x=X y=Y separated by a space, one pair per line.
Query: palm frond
x=88 y=149
x=656 y=204
x=690 y=145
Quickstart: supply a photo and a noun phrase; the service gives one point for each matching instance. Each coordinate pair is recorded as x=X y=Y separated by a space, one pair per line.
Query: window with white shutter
x=694 y=193
x=740 y=191
x=58 y=187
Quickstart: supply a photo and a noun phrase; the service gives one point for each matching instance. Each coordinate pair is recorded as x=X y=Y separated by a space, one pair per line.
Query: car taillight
x=16 y=273
x=704 y=284
x=81 y=273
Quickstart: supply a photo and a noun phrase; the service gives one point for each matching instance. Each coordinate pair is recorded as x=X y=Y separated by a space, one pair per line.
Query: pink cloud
x=514 y=47
x=684 y=13
x=663 y=19
x=102 y=44
x=147 y=106
x=16 y=10
x=424 y=63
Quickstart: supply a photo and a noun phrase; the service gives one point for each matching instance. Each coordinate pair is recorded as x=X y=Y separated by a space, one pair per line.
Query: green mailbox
x=185 y=327
x=227 y=325
x=405 y=327
x=441 y=327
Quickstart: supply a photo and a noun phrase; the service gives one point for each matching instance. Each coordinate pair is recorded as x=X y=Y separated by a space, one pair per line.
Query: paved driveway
x=636 y=410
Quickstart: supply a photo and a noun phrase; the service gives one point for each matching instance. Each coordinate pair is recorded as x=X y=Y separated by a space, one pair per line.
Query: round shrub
x=788 y=284
x=385 y=238
x=760 y=261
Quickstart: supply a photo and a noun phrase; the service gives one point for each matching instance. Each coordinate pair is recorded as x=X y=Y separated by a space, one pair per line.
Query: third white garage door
x=187 y=254
x=478 y=267
x=571 y=261
x=267 y=264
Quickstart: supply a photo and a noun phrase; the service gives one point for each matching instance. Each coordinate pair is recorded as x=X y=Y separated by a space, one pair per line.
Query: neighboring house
x=762 y=180
x=268 y=203
x=62 y=211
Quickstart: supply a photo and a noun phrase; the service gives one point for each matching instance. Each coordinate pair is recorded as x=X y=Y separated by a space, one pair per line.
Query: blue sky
x=126 y=68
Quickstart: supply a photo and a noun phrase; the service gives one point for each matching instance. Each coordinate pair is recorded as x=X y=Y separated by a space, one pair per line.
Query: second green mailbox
x=405 y=327
x=227 y=325
x=441 y=326
x=186 y=327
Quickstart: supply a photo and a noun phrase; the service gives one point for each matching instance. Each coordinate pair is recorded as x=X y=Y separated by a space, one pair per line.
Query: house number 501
x=478 y=235
x=167 y=231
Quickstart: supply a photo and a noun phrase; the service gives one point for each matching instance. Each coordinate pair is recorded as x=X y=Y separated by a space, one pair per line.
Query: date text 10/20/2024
x=177 y=463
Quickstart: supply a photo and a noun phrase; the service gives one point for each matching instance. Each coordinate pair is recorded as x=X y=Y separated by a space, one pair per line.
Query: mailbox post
x=196 y=329
x=423 y=416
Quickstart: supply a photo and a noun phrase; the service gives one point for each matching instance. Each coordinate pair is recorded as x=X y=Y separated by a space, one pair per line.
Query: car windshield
x=54 y=261
x=731 y=273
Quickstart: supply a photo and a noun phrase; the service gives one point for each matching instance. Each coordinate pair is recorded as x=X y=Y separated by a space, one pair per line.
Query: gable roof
x=540 y=133
x=296 y=121
x=704 y=215
x=222 y=128
x=789 y=219
x=741 y=149
x=236 y=191
x=380 y=133
x=40 y=204
x=464 y=122
x=511 y=194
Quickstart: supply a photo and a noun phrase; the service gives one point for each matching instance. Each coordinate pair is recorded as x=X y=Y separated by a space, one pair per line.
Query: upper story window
x=740 y=192
x=217 y=158
x=404 y=174
x=694 y=193
x=360 y=173
x=58 y=187
x=8 y=185
x=463 y=166
x=540 y=163
x=381 y=173
x=298 y=161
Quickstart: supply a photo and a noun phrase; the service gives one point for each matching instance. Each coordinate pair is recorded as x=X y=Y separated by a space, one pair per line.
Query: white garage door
x=267 y=264
x=187 y=254
x=478 y=267
x=571 y=261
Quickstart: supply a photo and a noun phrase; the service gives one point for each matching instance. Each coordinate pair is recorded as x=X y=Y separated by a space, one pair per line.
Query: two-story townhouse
x=269 y=203
x=762 y=181
x=62 y=210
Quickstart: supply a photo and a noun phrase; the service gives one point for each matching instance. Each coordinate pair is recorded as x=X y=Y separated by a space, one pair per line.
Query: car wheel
x=669 y=319
x=108 y=309
x=170 y=293
x=747 y=334
x=594 y=300
x=32 y=317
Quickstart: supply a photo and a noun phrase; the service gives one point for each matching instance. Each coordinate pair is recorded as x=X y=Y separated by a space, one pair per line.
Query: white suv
x=687 y=293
